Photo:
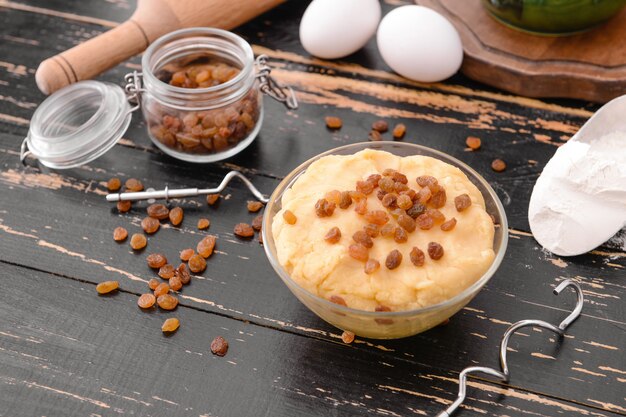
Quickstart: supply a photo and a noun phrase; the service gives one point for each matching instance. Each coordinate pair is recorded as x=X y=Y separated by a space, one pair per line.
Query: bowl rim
x=475 y=287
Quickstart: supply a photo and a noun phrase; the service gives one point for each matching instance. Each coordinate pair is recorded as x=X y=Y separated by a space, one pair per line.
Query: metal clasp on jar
x=133 y=89
x=268 y=85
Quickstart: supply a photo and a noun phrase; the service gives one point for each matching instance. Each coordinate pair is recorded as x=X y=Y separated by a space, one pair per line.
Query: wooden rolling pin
x=152 y=19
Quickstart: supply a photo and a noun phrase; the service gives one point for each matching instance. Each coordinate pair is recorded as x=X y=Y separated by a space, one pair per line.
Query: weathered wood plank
x=66 y=351
x=523 y=136
x=67 y=230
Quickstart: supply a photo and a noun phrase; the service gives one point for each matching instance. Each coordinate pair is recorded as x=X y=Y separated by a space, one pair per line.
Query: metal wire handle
x=505 y=374
x=188 y=192
x=268 y=85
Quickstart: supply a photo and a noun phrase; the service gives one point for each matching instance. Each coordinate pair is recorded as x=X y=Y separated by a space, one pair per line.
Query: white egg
x=336 y=28
x=420 y=44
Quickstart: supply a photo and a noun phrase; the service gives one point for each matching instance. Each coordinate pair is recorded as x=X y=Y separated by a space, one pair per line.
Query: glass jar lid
x=77 y=124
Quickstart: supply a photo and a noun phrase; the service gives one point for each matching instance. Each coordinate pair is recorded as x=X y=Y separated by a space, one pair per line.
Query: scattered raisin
x=399 y=177
x=424 y=221
x=361 y=237
x=114 y=184
x=374 y=179
x=365 y=187
x=153 y=283
x=345 y=200
x=438 y=199
x=166 y=271
x=334 y=196
x=107 y=286
x=428 y=181
x=176 y=216
x=254 y=206
x=416 y=210
x=134 y=185
x=375 y=136
x=371 y=266
x=338 y=300
x=388 y=230
x=406 y=222
x=399 y=130
x=417 y=256
x=197 y=264
x=170 y=325
x=324 y=208
x=257 y=222
x=448 y=225
x=175 y=283
x=211 y=199
x=461 y=202
x=333 y=122
x=390 y=200
x=138 y=241
x=399 y=235
x=383 y=309
x=146 y=300
x=397 y=212
x=158 y=211
x=156 y=260
x=361 y=207
x=424 y=195
x=219 y=346
x=498 y=165
x=124 y=206
x=378 y=217
x=386 y=184
x=404 y=202
x=333 y=235
x=435 y=250
x=119 y=234
x=167 y=302
x=436 y=215
x=185 y=254
x=205 y=246
x=183 y=274
x=150 y=225
x=347 y=337
x=357 y=196
x=473 y=142
x=289 y=217
x=380 y=126
x=243 y=230
x=372 y=230
x=394 y=259
x=204 y=224
x=358 y=252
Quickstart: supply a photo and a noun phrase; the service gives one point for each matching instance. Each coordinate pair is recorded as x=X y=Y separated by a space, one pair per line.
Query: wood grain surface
x=580 y=66
x=66 y=351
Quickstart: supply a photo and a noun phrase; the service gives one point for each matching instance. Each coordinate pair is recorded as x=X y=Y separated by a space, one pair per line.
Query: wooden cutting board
x=589 y=66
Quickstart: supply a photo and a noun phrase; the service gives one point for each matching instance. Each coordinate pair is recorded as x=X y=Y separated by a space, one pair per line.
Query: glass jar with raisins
x=200 y=91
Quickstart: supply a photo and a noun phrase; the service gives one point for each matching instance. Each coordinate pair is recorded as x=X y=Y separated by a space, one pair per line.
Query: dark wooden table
x=64 y=351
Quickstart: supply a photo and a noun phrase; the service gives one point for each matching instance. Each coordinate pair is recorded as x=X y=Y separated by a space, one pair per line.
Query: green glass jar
x=553 y=17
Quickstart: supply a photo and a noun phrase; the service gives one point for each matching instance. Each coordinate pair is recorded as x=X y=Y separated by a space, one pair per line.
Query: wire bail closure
x=133 y=89
x=268 y=85
x=505 y=374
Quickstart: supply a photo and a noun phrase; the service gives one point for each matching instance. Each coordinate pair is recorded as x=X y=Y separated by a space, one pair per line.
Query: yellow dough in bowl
x=327 y=269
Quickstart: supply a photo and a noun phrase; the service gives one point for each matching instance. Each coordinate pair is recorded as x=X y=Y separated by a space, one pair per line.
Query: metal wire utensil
x=188 y=192
x=504 y=374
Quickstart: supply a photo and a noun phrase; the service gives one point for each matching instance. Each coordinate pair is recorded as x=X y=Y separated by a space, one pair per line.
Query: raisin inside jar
x=204 y=131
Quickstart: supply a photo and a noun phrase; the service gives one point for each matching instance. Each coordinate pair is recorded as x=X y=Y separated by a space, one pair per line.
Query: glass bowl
x=393 y=324
x=553 y=17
